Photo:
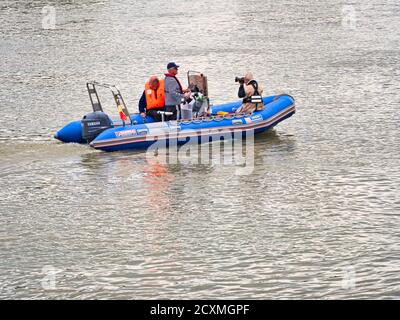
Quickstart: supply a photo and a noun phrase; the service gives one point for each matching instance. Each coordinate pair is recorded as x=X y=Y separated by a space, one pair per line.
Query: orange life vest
x=154 y=98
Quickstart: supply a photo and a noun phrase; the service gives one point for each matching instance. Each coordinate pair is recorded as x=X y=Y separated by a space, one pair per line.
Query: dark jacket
x=142 y=103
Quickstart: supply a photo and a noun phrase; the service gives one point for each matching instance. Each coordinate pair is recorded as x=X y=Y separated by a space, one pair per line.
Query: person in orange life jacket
x=174 y=92
x=153 y=99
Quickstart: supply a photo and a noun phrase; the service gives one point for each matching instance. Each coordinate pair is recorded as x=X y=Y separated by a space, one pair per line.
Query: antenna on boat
x=119 y=100
x=94 y=97
x=121 y=106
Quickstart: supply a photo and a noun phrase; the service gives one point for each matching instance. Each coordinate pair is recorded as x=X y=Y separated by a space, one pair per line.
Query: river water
x=318 y=217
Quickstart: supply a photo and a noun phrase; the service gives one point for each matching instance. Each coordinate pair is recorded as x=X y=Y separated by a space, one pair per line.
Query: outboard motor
x=93 y=124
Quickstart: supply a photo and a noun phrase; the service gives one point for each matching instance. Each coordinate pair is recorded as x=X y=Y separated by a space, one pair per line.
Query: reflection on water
x=316 y=218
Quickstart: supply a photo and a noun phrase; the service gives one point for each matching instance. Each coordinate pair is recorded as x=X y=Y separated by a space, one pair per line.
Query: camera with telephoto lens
x=240 y=80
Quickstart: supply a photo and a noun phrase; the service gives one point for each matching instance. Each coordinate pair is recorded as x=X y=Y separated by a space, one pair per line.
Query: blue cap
x=172 y=65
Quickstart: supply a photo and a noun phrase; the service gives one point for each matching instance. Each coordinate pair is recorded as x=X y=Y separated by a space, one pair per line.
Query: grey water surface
x=318 y=217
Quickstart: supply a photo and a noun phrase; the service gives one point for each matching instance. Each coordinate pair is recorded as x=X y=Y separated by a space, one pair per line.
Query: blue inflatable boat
x=133 y=131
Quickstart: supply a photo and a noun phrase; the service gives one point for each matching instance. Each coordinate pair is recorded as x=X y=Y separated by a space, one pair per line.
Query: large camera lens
x=240 y=80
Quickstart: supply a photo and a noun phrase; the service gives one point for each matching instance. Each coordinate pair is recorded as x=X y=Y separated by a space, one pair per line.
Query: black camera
x=240 y=80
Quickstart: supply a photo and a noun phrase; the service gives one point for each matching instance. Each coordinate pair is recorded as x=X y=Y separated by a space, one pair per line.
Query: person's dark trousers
x=173 y=110
x=154 y=114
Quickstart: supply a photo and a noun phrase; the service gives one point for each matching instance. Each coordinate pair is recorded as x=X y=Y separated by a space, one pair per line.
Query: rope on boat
x=216 y=118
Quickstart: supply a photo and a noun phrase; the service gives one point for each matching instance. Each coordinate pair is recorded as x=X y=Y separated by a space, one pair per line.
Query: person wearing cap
x=153 y=99
x=174 y=92
x=248 y=89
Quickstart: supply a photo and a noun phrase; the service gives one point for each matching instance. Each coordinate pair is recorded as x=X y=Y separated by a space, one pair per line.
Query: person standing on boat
x=251 y=93
x=174 y=92
x=153 y=99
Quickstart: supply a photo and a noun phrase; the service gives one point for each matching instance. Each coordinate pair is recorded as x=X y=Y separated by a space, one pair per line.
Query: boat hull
x=166 y=134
